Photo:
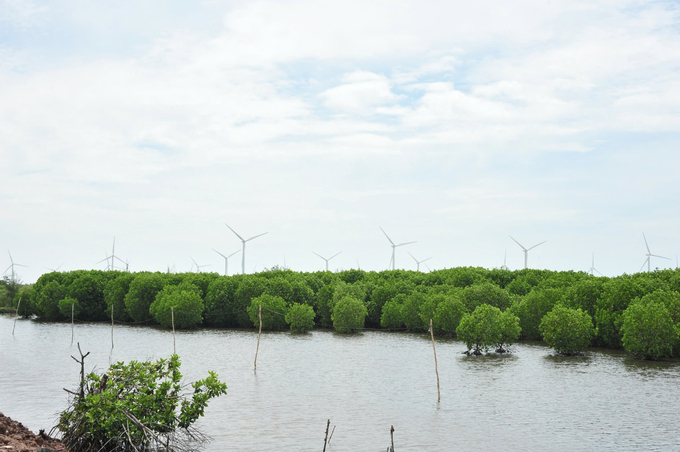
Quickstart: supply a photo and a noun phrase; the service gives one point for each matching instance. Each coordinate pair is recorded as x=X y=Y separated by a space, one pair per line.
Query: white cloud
x=359 y=93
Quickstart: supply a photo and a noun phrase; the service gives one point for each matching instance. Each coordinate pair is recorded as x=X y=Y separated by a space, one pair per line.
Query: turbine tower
x=505 y=257
x=526 y=250
x=649 y=255
x=593 y=269
x=12 y=265
x=226 y=260
x=328 y=258
x=418 y=262
x=243 y=256
x=392 y=261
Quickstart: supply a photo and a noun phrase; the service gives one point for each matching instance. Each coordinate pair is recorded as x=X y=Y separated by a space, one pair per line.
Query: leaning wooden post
x=392 y=437
x=17 y=316
x=258 y=339
x=72 y=309
x=439 y=396
x=112 y=326
x=174 y=344
x=325 y=440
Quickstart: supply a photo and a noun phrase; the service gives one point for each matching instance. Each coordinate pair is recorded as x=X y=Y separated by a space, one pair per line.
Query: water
x=530 y=400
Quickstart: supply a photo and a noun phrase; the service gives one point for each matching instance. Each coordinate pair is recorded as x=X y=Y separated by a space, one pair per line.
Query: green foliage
x=136 y=406
x=584 y=294
x=220 y=303
x=26 y=295
x=392 y=316
x=648 y=330
x=274 y=310
x=481 y=329
x=143 y=290
x=183 y=301
x=349 y=314
x=485 y=293
x=68 y=304
x=448 y=315
x=114 y=296
x=567 y=330
x=533 y=307
x=47 y=301
x=249 y=287
x=88 y=289
x=509 y=331
x=411 y=311
x=300 y=317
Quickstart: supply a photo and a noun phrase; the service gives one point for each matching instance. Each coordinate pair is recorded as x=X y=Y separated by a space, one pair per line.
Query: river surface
x=528 y=401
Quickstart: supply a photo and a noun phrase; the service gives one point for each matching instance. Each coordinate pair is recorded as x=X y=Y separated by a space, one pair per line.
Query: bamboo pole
x=16 y=316
x=325 y=440
x=112 y=326
x=258 y=337
x=439 y=396
x=174 y=343
x=72 y=316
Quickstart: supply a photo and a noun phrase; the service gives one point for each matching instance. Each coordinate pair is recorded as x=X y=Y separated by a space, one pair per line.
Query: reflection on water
x=529 y=400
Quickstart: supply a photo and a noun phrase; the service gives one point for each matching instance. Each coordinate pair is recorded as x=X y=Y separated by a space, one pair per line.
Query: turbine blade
x=646 y=244
x=319 y=255
x=334 y=256
x=219 y=253
x=413 y=257
x=643 y=265
x=388 y=237
x=425 y=260
x=192 y=260
x=241 y=238
x=537 y=245
x=405 y=243
x=256 y=236
x=520 y=245
x=235 y=252
x=654 y=255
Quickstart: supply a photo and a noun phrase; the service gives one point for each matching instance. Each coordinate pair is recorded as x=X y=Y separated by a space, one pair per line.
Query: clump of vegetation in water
x=139 y=406
x=488 y=327
x=649 y=331
x=568 y=331
x=349 y=314
x=300 y=317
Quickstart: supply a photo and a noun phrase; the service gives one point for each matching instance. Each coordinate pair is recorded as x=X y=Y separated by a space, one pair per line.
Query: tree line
x=485 y=308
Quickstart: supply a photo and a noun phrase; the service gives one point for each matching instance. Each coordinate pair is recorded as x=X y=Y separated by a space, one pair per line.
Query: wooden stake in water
x=17 y=316
x=111 y=326
x=72 y=316
x=325 y=440
x=258 y=335
x=439 y=396
x=174 y=344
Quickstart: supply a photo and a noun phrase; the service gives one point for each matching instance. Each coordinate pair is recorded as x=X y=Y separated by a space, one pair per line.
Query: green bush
x=114 y=296
x=47 y=301
x=140 y=406
x=88 y=289
x=481 y=329
x=485 y=293
x=142 y=292
x=508 y=324
x=411 y=309
x=183 y=302
x=448 y=315
x=300 y=317
x=26 y=295
x=568 y=331
x=648 y=330
x=533 y=307
x=349 y=314
x=274 y=311
x=392 y=317
x=66 y=305
x=220 y=303
x=249 y=287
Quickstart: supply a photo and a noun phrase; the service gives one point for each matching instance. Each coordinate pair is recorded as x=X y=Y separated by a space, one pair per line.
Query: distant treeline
x=646 y=303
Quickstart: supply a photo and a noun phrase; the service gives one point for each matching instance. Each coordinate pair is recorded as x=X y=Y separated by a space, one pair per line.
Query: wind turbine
x=505 y=257
x=329 y=258
x=55 y=269
x=198 y=267
x=105 y=259
x=592 y=267
x=649 y=255
x=243 y=256
x=226 y=260
x=526 y=250
x=13 y=264
x=392 y=261
x=418 y=262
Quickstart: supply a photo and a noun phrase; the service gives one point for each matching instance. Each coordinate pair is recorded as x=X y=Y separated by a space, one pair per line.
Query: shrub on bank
x=274 y=311
x=349 y=314
x=568 y=331
x=181 y=303
x=300 y=317
x=648 y=330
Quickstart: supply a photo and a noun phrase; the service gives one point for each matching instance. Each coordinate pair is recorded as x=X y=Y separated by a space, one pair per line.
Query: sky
x=453 y=124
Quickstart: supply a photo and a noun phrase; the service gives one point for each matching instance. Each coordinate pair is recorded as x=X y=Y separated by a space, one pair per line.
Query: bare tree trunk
x=439 y=396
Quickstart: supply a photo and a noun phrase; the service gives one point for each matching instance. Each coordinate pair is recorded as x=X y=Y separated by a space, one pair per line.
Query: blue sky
x=448 y=123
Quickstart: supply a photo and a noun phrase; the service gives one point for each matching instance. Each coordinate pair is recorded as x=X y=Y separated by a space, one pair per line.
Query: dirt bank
x=14 y=437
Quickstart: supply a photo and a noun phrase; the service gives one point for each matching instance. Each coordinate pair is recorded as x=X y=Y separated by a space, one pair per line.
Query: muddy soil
x=14 y=437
